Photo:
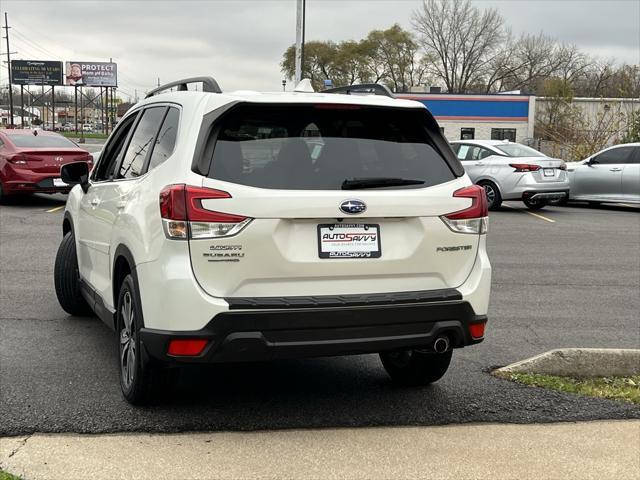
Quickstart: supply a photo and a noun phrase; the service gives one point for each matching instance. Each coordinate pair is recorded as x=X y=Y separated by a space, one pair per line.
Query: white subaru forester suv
x=225 y=227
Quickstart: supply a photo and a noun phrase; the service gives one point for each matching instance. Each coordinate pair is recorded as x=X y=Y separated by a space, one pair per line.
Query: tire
x=415 y=367
x=494 y=199
x=67 y=278
x=3 y=197
x=534 y=204
x=140 y=379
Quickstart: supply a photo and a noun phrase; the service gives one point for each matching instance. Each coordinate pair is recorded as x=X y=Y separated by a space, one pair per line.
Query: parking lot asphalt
x=567 y=277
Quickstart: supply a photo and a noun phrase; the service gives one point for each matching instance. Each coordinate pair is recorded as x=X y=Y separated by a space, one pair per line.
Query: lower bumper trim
x=254 y=335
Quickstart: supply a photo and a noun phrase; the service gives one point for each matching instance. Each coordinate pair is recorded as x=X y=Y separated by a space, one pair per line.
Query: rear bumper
x=296 y=327
x=549 y=196
x=32 y=183
x=527 y=184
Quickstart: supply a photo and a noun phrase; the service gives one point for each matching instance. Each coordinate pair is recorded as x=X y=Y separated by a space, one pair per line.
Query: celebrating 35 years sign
x=91 y=74
x=36 y=72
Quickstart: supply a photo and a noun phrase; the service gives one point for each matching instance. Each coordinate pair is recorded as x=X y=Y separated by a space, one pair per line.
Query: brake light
x=336 y=106
x=524 y=167
x=184 y=216
x=186 y=347
x=473 y=219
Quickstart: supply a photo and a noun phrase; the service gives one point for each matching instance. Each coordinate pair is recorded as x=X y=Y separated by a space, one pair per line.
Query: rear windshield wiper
x=357 y=183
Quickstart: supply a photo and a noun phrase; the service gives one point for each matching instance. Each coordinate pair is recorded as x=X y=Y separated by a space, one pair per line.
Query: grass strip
x=624 y=389
x=7 y=476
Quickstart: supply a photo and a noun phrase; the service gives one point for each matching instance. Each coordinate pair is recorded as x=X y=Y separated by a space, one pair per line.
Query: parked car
x=30 y=161
x=87 y=128
x=208 y=233
x=611 y=175
x=511 y=171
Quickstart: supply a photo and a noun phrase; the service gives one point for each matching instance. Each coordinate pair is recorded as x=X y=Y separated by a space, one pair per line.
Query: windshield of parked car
x=41 y=141
x=517 y=150
x=320 y=147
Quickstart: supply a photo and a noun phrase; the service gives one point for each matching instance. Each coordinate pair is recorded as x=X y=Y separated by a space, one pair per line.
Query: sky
x=241 y=42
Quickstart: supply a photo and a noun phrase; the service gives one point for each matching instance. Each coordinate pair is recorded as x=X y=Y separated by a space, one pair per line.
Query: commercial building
x=465 y=117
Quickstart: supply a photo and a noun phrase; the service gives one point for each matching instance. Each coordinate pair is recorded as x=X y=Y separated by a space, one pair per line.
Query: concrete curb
x=580 y=362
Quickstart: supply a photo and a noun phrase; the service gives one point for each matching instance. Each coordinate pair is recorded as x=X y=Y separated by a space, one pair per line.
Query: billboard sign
x=91 y=74
x=36 y=72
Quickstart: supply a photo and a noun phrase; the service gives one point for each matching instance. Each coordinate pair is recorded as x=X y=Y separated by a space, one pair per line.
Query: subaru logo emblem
x=353 y=207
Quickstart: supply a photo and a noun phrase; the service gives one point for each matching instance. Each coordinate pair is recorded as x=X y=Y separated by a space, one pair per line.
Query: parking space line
x=55 y=209
x=541 y=217
x=537 y=215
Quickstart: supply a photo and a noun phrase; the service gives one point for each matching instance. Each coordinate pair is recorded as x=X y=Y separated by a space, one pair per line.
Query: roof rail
x=374 y=88
x=209 y=84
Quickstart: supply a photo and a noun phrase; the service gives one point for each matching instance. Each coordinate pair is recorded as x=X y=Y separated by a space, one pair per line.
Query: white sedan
x=511 y=171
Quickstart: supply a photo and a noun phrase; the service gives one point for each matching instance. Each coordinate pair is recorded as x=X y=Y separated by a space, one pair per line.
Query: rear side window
x=141 y=142
x=318 y=147
x=166 y=140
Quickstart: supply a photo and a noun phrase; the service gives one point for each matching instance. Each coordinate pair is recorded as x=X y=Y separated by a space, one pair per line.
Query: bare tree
x=397 y=50
x=464 y=39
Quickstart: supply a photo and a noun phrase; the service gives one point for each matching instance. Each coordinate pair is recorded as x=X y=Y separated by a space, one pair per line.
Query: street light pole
x=300 y=19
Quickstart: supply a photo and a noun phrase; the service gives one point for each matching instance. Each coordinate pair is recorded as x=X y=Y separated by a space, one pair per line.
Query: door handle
x=95 y=202
x=479 y=164
x=615 y=169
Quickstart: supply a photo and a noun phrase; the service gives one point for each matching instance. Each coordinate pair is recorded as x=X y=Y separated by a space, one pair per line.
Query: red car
x=30 y=161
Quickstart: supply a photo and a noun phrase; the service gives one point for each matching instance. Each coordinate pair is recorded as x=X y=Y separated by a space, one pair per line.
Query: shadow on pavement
x=35 y=200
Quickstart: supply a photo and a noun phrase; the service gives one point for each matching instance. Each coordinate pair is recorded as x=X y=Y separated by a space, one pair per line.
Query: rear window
x=517 y=150
x=41 y=141
x=319 y=147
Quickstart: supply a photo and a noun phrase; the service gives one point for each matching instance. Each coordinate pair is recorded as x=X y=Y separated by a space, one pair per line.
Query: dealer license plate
x=349 y=240
x=57 y=182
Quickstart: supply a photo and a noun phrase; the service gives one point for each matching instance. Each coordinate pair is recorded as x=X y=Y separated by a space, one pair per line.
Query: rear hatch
x=328 y=199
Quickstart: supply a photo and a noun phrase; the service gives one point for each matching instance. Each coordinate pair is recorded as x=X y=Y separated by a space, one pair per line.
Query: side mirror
x=592 y=161
x=76 y=173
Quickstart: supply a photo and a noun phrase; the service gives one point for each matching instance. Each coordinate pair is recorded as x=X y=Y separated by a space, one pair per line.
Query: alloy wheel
x=127 y=341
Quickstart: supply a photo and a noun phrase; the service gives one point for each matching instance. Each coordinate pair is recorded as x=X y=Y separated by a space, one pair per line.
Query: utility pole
x=300 y=20
x=6 y=28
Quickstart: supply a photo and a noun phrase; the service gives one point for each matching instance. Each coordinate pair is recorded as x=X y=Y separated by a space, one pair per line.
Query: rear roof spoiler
x=362 y=88
x=209 y=84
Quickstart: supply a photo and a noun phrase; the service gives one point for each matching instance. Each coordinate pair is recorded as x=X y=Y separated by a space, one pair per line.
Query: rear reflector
x=477 y=330
x=184 y=216
x=190 y=347
x=525 y=167
x=473 y=219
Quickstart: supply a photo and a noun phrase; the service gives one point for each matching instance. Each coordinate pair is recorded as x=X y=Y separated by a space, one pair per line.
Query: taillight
x=563 y=166
x=474 y=219
x=17 y=159
x=183 y=215
x=524 y=167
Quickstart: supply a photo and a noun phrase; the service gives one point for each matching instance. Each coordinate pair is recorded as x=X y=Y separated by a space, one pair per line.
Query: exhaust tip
x=441 y=344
